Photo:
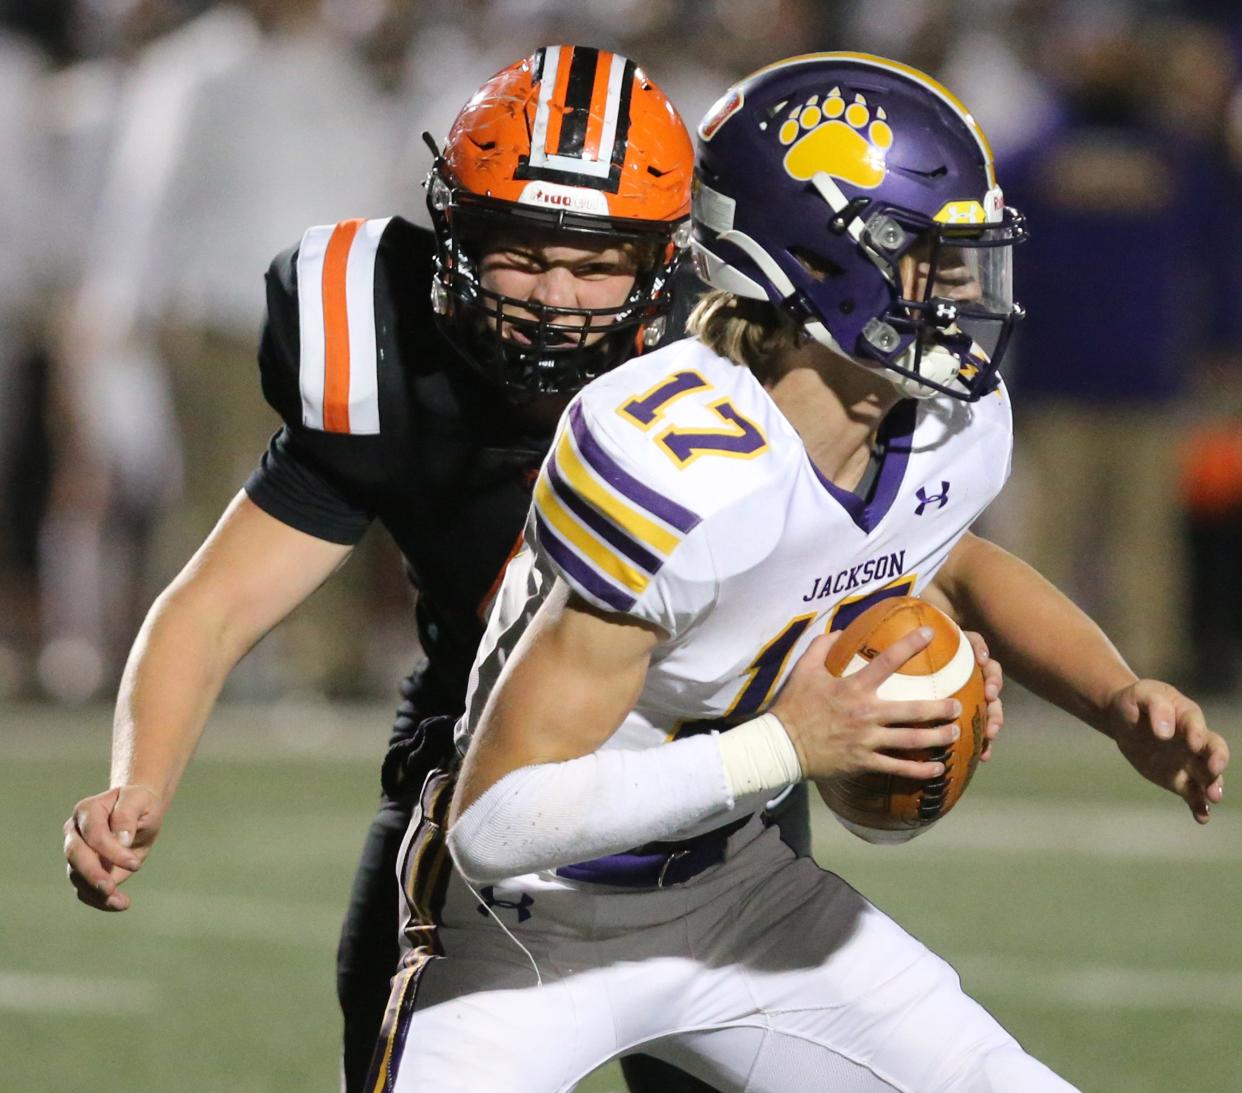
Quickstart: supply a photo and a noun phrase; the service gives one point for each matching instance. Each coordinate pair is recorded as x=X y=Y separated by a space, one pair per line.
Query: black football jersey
x=384 y=421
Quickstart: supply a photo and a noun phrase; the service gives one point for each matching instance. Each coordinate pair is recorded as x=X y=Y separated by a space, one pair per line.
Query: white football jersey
x=677 y=492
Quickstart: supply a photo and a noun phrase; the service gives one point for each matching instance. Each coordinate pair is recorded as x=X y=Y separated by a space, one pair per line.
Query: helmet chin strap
x=937 y=364
x=837 y=202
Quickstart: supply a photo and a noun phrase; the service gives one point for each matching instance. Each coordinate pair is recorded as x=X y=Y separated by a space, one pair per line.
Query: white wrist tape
x=554 y=814
x=759 y=757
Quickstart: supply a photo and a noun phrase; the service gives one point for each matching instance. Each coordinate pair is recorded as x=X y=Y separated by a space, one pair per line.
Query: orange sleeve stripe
x=336 y=328
x=599 y=106
x=556 y=104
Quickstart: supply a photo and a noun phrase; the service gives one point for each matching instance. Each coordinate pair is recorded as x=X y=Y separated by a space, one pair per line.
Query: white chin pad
x=938 y=365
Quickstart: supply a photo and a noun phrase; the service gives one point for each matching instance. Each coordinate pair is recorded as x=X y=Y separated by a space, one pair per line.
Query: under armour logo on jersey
x=488 y=896
x=938 y=499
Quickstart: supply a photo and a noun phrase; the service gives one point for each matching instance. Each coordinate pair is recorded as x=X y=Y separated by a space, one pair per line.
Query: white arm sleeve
x=554 y=814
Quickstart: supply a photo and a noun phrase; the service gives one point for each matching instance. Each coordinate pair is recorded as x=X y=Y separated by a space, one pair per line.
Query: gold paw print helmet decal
x=845 y=141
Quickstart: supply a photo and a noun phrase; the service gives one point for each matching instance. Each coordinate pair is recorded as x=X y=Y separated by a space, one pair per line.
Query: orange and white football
x=883 y=807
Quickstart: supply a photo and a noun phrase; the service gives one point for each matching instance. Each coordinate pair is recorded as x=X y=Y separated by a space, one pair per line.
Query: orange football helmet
x=571 y=140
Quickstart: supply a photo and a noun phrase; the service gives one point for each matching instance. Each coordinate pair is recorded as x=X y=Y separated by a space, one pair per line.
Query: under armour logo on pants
x=488 y=895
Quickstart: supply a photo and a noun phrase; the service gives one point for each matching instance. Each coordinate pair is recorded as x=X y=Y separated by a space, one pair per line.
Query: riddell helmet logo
x=550 y=195
x=845 y=141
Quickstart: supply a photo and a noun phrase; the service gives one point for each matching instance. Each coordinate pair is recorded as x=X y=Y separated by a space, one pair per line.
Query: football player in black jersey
x=419 y=376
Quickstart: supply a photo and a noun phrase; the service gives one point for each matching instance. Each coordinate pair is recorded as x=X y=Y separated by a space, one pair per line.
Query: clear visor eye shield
x=953 y=311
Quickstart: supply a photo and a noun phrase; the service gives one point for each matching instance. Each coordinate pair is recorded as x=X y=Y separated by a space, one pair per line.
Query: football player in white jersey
x=653 y=670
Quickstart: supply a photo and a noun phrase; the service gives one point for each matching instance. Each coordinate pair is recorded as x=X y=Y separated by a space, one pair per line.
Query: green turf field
x=1086 y=910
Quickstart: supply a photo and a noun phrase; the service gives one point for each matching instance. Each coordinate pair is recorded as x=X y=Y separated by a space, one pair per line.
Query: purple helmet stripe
x=604 y=528
x=611 y=472
x=579 y=572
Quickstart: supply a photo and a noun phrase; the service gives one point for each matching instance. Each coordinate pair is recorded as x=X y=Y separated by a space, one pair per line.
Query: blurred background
x=154 y=156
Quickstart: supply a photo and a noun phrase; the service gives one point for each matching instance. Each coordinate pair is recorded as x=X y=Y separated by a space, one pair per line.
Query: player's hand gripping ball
x=882 y=807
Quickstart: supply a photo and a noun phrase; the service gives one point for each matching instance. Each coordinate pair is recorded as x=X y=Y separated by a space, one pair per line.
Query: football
x=883 y=807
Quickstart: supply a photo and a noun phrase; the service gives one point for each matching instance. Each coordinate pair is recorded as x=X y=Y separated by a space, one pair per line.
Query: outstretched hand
x=1165 y=737
x=106 y=841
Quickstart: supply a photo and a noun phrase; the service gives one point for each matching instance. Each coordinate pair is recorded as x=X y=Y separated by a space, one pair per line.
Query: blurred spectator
x=233 y=134
x=117 y=458
x=1121 y=197
x=719 y=42
x=23 y=276
x=987 y=52
x=1212 y=453
x=46 y=25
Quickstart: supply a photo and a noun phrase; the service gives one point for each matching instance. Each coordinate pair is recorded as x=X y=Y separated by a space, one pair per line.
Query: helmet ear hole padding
x=819 y=267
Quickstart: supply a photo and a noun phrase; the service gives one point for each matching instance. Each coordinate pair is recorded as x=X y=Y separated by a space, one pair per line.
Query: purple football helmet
x=860 y=196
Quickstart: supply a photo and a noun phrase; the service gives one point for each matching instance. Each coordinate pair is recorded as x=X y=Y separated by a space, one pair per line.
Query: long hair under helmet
x=824 y=182
x=578 y=142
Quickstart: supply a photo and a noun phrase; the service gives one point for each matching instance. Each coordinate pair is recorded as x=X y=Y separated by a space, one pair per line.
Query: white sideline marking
x=37 y=993
x=1103 y=987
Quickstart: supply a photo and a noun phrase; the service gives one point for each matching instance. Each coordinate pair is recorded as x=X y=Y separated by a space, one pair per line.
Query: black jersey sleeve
x=293 y=484
x=312 y=481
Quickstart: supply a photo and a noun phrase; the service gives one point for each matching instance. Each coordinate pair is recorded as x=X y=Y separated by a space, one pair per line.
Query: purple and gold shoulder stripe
x=608 y=532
